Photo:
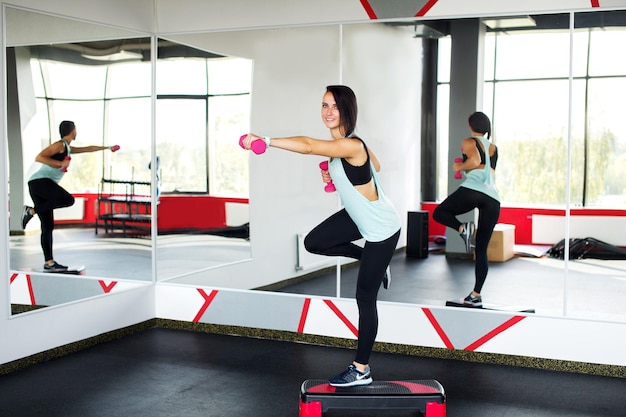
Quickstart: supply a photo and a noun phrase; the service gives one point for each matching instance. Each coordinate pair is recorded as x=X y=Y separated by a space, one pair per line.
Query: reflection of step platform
x=425 y=396
x=496 y=307
x=71 y=270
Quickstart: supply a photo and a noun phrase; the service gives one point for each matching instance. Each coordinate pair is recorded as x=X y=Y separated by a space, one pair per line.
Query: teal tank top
x=482 y=180
x=376 y=220
x=46 y=171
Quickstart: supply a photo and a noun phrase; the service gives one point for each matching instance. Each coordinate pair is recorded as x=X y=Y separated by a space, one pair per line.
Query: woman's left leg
x=376 y=257
x=488 y=214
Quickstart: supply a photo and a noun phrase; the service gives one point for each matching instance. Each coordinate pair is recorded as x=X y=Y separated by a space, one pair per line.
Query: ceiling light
x=510 y=22
x=118 y=56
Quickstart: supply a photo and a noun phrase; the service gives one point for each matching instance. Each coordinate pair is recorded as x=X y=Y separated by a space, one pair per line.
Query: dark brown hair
x=479 y=122
x=66 y=127
x=346 y=104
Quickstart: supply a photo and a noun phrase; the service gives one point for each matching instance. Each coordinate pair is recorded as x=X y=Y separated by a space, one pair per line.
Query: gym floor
x=163 y=372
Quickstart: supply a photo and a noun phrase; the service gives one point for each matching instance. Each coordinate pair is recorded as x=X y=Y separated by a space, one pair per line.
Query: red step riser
x=312 y=409
x=435 y=410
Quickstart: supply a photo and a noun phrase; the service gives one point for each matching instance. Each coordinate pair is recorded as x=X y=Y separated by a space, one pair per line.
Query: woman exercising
x=477 y=191
x=368 y=213
x=46 y=192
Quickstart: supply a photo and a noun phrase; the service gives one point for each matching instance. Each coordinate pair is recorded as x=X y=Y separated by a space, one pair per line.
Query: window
x=182 y=145
x=200 y=117
x=526 y=94
x=110 y=104
x=203 y=106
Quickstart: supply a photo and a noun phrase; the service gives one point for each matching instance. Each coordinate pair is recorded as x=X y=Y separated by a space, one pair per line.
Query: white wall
x=384 y=66
x=25 y=27
x=30 y=333
x=291 y=70
x=136 y=15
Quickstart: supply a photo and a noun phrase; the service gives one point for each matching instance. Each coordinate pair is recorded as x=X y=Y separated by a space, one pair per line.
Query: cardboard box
x=501 y=245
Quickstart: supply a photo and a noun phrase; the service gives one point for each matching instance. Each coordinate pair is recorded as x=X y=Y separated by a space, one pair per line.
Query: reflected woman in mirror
x=478 y=190
x=368 y=214
x=45 y=190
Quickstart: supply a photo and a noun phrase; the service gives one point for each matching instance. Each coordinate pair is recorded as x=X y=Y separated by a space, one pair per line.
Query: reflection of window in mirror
x=525 y=93
x=203 y=106
x=112 y=108
x=103 y=86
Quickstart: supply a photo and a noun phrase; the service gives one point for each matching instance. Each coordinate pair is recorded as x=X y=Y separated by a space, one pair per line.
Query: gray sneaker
x=351 y=377
x=26 y=216
x=472 y=301
x=468 y=236
x=55 y=267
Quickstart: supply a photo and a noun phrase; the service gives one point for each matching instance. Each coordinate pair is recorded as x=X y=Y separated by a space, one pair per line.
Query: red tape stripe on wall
x=507 y=324
x=305 y=313
x=368 y=9
x=107 y=288
x=343 y=318
x=207 y=301
x=444 y=337
x=426 y=8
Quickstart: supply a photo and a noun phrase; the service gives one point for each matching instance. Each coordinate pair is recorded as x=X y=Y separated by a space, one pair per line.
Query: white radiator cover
x=237 y=214
x=550 y=229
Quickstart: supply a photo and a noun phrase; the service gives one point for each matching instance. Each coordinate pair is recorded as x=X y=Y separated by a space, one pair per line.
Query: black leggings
x=334 y=237
x=461 y=201
x=47 y=196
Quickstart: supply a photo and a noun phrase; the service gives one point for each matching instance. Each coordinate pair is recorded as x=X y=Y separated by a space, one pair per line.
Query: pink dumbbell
x=329 y=187
x=458 y=175
x=64 y=169
x=258 y=146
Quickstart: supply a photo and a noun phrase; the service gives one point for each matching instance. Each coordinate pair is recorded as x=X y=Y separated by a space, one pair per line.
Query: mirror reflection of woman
x=368 y=214
x=46 y=192
x=478 y=190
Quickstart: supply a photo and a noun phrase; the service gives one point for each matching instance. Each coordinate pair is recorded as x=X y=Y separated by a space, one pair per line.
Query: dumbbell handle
x=257 y=146
x=329 y=187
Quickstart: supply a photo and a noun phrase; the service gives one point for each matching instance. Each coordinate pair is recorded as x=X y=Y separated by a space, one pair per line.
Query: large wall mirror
x=98 y=77
x=201 y=113
x=203 y=107
x=526 y=92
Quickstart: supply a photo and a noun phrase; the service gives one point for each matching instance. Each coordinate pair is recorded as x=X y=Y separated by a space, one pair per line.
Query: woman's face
x=330 y=112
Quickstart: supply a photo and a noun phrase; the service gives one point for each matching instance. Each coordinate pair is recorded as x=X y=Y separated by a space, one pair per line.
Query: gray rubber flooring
x=172 y=373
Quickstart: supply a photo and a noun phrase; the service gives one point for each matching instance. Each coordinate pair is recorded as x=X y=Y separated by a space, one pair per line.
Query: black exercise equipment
x=426 y=396
x=587 y=248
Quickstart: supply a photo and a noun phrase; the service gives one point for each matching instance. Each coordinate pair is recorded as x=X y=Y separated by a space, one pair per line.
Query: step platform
x=426 y=396
x=71 y=270
x=495 y=307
